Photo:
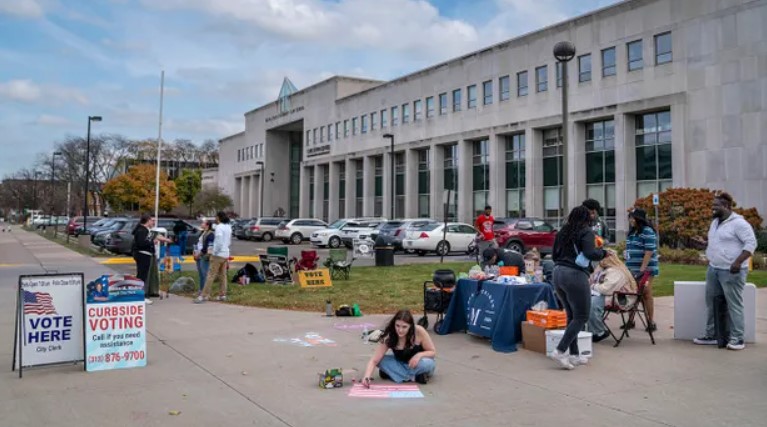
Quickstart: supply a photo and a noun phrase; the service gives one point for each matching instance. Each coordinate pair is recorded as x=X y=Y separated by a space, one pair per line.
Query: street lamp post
x=34 y=191
x=391 y=173
x=261 y=192
x=564 y=52
x=87 y=169
x=53 y=184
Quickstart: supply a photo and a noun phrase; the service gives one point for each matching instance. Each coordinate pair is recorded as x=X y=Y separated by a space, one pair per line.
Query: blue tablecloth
x=493 y=310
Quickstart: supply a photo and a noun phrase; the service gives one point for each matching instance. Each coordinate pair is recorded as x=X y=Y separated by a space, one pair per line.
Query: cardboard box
x=553 y=337
x=533 y=337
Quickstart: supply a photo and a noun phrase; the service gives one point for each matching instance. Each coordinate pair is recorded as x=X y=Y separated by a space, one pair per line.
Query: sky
x=64 y=60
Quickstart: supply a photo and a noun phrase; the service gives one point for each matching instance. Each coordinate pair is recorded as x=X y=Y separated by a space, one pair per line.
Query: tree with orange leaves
x=135 y=190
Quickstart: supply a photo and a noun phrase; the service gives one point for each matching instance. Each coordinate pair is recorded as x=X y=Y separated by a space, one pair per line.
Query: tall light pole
x=159 y=154
x=53 y=185
x=261 y=192
x=564 y=52
x=391 y=173
x=88 y=169
x=34 y=191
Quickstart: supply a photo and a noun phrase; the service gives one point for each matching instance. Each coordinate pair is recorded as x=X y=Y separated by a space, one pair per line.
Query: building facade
x=662 y=93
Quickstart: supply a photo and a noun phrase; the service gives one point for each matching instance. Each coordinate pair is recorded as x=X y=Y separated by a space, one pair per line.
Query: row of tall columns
x=247 y=187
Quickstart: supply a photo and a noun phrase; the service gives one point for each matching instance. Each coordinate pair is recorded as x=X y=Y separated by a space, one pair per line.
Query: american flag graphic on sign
x=38 y=303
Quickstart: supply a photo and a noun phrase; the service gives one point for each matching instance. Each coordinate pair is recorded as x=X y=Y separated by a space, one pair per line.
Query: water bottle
x=328 y=308
x=365 y=334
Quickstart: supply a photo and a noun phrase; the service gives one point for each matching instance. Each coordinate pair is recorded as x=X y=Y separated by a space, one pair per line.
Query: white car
x=331 y=236
x=296 y=231
x=429 y=238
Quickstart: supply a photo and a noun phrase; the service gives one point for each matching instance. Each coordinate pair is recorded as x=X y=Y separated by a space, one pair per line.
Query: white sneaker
x=562 y=359
x=199 y=300
x=578 y=360
x=147 y=301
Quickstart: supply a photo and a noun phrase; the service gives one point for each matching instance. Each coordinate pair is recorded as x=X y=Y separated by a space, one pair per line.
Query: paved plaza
x=226 y=365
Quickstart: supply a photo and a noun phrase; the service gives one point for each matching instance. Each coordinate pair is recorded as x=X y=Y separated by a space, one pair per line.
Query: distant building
x=663 y=93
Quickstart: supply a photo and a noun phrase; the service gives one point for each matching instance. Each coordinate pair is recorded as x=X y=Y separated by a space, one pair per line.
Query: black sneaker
x=597 y=338
x=422 y=378
x=383 y=375
x=705 y=340
x=732 y=345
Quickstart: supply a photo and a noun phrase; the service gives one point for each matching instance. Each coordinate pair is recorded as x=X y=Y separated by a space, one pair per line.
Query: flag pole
x=159 y=151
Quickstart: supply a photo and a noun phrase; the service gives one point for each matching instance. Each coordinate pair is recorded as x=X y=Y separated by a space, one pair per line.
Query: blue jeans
x=596 y=322
x=722 y=282
x=401 y=372
x=203 y=265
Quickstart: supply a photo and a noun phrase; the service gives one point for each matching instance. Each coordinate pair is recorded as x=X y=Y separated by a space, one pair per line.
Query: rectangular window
x=330 y=132
x=314 y=136
x=515 y=176
x=542 y=79
x=346 y=128
x=522 y=83
x=471 y=95
x=600 y=167
x=394 y=116
x=635 y=55
x=373 y=120
x=552 y=175
x=341 y=189
x=608 y=62
x=359 y=191
x=355 y=126
x=584 y=68
x=399 y=185
x=322 y=134
x=503 y=84
x=480 y=174
x=430 y=107
x=424 y=183
x=405 y=113
x=383 y=118
x=239 y=155
x=417 y=110
x=457 y=100
x=308 y=137
x=487 y=92
x=338 y=130
x=653 y=152
x=378 y=186
x=364 y=120
x=442 y=104
x=663 y=48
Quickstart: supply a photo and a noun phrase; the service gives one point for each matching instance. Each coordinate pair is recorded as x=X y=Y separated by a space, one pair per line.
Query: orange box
x=549 y=319
x=512 y=270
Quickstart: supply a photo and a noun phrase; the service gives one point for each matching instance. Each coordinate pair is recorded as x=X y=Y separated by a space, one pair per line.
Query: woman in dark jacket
x=571 y=280
x=143 y=249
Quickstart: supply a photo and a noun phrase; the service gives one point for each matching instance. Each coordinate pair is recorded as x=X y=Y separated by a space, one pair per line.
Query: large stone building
x=662 y=93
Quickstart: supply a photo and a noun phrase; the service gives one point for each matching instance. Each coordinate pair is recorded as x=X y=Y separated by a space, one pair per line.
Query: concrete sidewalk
x=220 y=365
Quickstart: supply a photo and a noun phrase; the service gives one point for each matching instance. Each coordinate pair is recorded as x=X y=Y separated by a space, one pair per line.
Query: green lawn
x=386 y=289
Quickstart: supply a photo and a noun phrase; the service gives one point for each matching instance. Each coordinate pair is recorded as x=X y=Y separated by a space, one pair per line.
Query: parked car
x=429 y=237
x=99 y=236
x=361 y=230
x=240 y=227
x=73 y=224
x=297 y=230
x=262 y=228
x=121 y=241
x=331 y=236
x=396 y=230
x=93 y=224
x=521 y=234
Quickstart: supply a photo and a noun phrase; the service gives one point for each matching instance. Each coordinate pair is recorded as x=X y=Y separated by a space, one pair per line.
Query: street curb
x=187 y=260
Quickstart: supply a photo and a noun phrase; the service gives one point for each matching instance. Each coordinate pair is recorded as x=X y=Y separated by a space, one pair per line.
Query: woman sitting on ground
x=610 y=277
x=413 y=352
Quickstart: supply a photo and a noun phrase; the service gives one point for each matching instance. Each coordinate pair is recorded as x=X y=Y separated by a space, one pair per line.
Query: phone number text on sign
x=116 y=357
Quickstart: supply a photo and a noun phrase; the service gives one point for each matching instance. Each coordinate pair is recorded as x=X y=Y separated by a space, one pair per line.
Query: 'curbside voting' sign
x=49 y=320
x=115 y=323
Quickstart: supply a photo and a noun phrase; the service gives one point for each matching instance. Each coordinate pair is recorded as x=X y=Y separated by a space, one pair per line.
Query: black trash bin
x=384 y=252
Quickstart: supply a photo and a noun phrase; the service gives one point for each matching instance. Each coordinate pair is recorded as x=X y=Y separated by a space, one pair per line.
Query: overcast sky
x=62 y=60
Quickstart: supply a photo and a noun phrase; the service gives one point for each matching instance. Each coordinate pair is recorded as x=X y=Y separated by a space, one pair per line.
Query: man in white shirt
x=218 y=259
x=731 y=241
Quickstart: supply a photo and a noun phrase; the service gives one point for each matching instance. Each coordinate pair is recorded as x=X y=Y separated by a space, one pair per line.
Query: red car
x=523 y=234
x=74 y=222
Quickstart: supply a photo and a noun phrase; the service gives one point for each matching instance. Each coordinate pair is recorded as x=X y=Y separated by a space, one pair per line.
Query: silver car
x=262 y=228
x=297 y=230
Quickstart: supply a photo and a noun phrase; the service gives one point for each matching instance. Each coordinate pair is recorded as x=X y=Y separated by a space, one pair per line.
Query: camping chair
x=630 y=311
x=308 y=261
x=338 y=265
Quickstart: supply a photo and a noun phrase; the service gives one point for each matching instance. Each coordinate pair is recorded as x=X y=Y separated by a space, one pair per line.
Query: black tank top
x=406 y=354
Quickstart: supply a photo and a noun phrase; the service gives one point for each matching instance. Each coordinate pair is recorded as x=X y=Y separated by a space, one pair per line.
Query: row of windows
x=250 y=153
x=440 y=106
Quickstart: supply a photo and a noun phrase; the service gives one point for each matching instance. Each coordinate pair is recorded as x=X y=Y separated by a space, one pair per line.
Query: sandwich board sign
x=49 y=320
x=115 y=323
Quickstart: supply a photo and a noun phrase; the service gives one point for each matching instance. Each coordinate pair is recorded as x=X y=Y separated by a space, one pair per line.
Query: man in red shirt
x=484 y=224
